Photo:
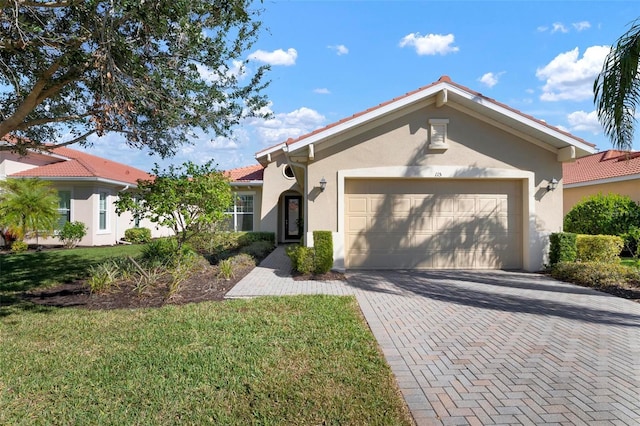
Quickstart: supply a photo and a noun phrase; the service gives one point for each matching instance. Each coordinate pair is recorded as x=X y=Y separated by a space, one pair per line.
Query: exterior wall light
x=553 y=184
x=323 y=184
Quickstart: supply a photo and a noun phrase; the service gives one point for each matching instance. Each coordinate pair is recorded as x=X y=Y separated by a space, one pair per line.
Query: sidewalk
x=273 y=278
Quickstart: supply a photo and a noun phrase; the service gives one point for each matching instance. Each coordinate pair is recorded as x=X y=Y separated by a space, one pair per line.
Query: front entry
x=292 y=217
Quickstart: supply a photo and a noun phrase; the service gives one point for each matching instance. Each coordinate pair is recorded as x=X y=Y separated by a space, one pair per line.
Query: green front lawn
x=289 y=360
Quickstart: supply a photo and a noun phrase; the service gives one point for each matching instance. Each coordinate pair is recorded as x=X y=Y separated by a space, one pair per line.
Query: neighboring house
x=87 y=186
x=616 y=172
x=441 y=177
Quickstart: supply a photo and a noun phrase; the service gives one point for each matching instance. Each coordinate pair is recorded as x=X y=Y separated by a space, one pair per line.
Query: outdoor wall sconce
x=323 y=184
x=553 y=184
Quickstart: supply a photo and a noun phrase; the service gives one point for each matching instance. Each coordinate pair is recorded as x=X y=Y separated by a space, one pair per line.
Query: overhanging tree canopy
x=150 y=70
x=617 y=89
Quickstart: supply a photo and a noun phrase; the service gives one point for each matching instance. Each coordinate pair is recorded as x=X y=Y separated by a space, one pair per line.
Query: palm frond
x=617 y=89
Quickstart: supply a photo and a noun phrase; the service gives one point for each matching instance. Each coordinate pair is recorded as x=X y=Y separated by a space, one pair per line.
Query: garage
x=433 y=223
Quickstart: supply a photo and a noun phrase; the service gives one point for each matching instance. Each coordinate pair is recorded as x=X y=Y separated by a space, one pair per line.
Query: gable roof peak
x=444 y=79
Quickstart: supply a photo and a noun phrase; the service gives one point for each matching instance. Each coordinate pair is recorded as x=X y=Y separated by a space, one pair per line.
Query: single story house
x=441 y=177
x=608 y=172
x=87 y=186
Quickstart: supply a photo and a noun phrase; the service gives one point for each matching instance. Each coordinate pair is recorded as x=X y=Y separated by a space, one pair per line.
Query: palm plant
x=28 y=207
x=617 y=89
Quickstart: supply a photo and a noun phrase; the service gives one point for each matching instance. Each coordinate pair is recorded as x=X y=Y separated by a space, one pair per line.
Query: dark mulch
x=204 y=284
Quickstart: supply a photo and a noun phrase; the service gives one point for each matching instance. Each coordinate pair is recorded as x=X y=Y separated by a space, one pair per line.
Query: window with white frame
x=102 y=212
x=241 y=213
x=64 y=208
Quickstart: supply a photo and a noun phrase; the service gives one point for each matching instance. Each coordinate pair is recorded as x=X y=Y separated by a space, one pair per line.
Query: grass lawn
x=288 y=360
x=25 y=271
x=629 y=261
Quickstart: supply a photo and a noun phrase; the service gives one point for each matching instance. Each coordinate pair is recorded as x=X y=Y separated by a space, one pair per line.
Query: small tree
x=188 y=199
x=28 y=207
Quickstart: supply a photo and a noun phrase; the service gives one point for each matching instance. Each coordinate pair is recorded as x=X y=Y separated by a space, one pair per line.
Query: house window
x=102 y=212
x=64 y=208
x=241 y=214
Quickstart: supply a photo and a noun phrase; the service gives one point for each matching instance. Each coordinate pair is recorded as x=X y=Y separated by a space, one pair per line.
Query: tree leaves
x=126 y=66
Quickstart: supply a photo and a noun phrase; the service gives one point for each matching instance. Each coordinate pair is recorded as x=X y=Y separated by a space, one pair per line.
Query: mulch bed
x=203 y=285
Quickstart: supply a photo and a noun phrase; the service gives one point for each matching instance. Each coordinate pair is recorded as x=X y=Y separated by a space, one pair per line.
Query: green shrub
x=562 y=247
x=599 y=248
x=19 y=246
x=103 y=276
x=247 y=238
x=258 y=249
x=323 y=245
x=302 y=258
x=225 y=269
x=164 y=251
x=610 y=214
x=137 y=235
x=596 y=274
x=632 y=241
x=71 y=233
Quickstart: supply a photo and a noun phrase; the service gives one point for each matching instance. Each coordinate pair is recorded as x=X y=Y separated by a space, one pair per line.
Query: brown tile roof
x=248 y=173
x=78 y=164
x=442 y=79
x=603 y=165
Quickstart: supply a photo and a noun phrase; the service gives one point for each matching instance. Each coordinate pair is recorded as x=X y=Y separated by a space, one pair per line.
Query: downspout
x=304 y=190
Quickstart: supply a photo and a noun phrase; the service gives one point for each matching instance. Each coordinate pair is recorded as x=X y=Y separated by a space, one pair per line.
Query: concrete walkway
x=490 y=347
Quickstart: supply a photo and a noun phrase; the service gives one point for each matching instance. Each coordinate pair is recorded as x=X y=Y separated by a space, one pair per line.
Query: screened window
x=102 y=211
x=64 y=208
x=241 y=214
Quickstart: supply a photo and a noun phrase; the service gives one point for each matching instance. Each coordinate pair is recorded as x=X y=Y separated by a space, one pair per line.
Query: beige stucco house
x=441 y=177
x=608 y=172
x=88 y=187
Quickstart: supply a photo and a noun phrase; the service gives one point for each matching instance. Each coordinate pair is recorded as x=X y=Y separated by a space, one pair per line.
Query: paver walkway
x=490 y=347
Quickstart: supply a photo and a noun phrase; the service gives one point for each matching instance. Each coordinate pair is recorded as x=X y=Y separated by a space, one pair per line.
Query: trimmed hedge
x=562 y=247
x=597 y=274
x=599 y=248
x=611 y=214
x=302 y=258
x=317 y=259
x=137 y=235
x=323 y=244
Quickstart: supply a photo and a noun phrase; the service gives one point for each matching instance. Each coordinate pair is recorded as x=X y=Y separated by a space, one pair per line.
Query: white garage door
x=433 y=223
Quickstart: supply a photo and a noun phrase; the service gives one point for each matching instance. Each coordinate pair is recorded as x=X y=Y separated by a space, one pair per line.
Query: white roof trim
x=602 y=181
x=246 y=183
x=77 y=179
x=354 y=122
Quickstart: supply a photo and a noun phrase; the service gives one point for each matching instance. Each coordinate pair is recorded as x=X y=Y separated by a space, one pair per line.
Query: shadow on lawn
x=20 y=273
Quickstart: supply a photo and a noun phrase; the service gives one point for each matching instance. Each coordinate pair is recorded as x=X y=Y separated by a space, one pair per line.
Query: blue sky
x=331 y=59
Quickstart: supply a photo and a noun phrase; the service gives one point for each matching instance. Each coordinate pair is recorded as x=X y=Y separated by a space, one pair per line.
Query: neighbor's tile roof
x=442 y=79
x=248 y=173
x=78 y=164
x=603 y=165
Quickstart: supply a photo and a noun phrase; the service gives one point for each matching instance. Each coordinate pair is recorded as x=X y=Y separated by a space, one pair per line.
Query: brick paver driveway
x=505 y=348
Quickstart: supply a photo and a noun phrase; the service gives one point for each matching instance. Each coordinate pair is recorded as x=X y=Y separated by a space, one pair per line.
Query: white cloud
x=581 y=26
x=340 y=49
x=237 y=70
x=542 y=28
x=283 y=126
x=430 y=44
x=277 y=57
x=322 y=91
x=559 y=27
x=570 y=78
x=490 y=79
x=585 y=122
x=222 y=143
